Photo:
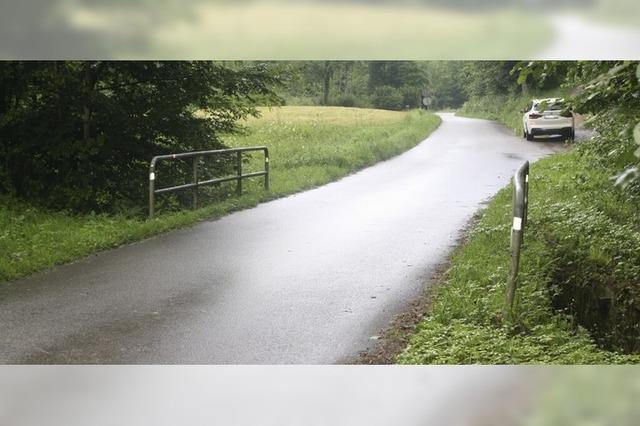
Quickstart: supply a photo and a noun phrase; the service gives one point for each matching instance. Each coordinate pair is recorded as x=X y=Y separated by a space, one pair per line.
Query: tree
x=80 y=135
x=406 y=78
x=327 y=74
x=351 y=83
x=387 y=97
x=446 y=84
x=489 y=78
x=608 y=90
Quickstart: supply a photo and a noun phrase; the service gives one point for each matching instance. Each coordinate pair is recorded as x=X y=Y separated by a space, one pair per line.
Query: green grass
x=309 y=147
x=582 y=242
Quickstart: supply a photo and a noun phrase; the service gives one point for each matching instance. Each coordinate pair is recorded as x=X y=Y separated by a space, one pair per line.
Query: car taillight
x=535 y=116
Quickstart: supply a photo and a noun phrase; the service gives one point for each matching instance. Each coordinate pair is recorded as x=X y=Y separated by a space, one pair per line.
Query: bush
x=80 y=135
x=506 y=109
x=411 y=96
x=577 y=300
x=348 y=101
x=387 y=97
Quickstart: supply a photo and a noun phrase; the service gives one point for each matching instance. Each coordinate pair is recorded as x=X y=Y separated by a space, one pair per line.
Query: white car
x=548 y=117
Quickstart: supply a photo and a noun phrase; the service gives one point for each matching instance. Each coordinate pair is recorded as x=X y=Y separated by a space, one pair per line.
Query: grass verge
x=310 y=146
x=578 y=298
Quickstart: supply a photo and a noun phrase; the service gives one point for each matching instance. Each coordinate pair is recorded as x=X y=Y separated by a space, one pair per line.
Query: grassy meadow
x=309 y=146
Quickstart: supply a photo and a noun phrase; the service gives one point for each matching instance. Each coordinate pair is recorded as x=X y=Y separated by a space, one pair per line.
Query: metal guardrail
x=238 y=177
x=520 y=213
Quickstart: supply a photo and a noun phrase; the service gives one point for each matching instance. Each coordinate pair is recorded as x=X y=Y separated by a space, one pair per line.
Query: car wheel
x=529 y=136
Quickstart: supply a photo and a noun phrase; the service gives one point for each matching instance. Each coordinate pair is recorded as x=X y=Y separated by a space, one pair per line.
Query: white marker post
x=520 y=210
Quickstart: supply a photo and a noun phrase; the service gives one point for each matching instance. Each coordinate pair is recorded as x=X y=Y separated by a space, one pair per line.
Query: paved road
x=307 y=279
x=580 y=39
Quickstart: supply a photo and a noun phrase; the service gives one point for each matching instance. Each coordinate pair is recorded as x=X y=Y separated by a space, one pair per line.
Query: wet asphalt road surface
x=307 y=279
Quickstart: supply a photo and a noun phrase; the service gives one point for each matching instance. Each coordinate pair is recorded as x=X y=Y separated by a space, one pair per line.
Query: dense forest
x=400 y=85
x=393 y=85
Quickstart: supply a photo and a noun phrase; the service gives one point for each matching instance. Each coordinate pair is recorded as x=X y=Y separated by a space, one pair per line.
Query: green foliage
x=353 y=83
x=338 y=83
x=447 y=84
x=348 y=101
x=387 y=97
x=578 y=299
x=601 y=88
x=506 y=109
x=466 y=324
x=578 y=295
x=79 y=135
x=613 y=90
x=542 y=75
x=489 y=78
x=309 y=147
x=396 y=74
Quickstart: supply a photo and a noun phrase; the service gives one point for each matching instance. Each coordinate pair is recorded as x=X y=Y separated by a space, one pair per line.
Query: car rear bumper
x=551 y=130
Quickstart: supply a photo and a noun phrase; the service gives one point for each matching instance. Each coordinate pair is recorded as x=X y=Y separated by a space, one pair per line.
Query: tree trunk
x=90 y=78
x=345 y=80
x=328 y=71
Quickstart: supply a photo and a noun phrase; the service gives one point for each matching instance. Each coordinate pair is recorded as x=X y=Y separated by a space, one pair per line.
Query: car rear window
x=556 y=106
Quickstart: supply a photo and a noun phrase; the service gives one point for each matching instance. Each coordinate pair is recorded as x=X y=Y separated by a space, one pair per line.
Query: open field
x=309 y=147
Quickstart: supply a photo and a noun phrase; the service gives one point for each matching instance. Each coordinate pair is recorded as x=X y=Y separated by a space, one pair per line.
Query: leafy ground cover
x=578 y=297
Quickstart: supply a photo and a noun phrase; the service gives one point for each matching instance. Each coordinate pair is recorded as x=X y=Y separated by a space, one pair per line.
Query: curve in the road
x=306 y=279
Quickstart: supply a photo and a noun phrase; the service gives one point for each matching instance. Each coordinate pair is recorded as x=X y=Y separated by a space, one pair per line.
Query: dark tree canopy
x=80 y=135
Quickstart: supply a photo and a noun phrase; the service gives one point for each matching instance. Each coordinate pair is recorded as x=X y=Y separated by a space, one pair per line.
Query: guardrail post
x=526 y=197
x=152 y=191
x=266 y=169
x=195 y=180
x=239 y=171
x=520 y=209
